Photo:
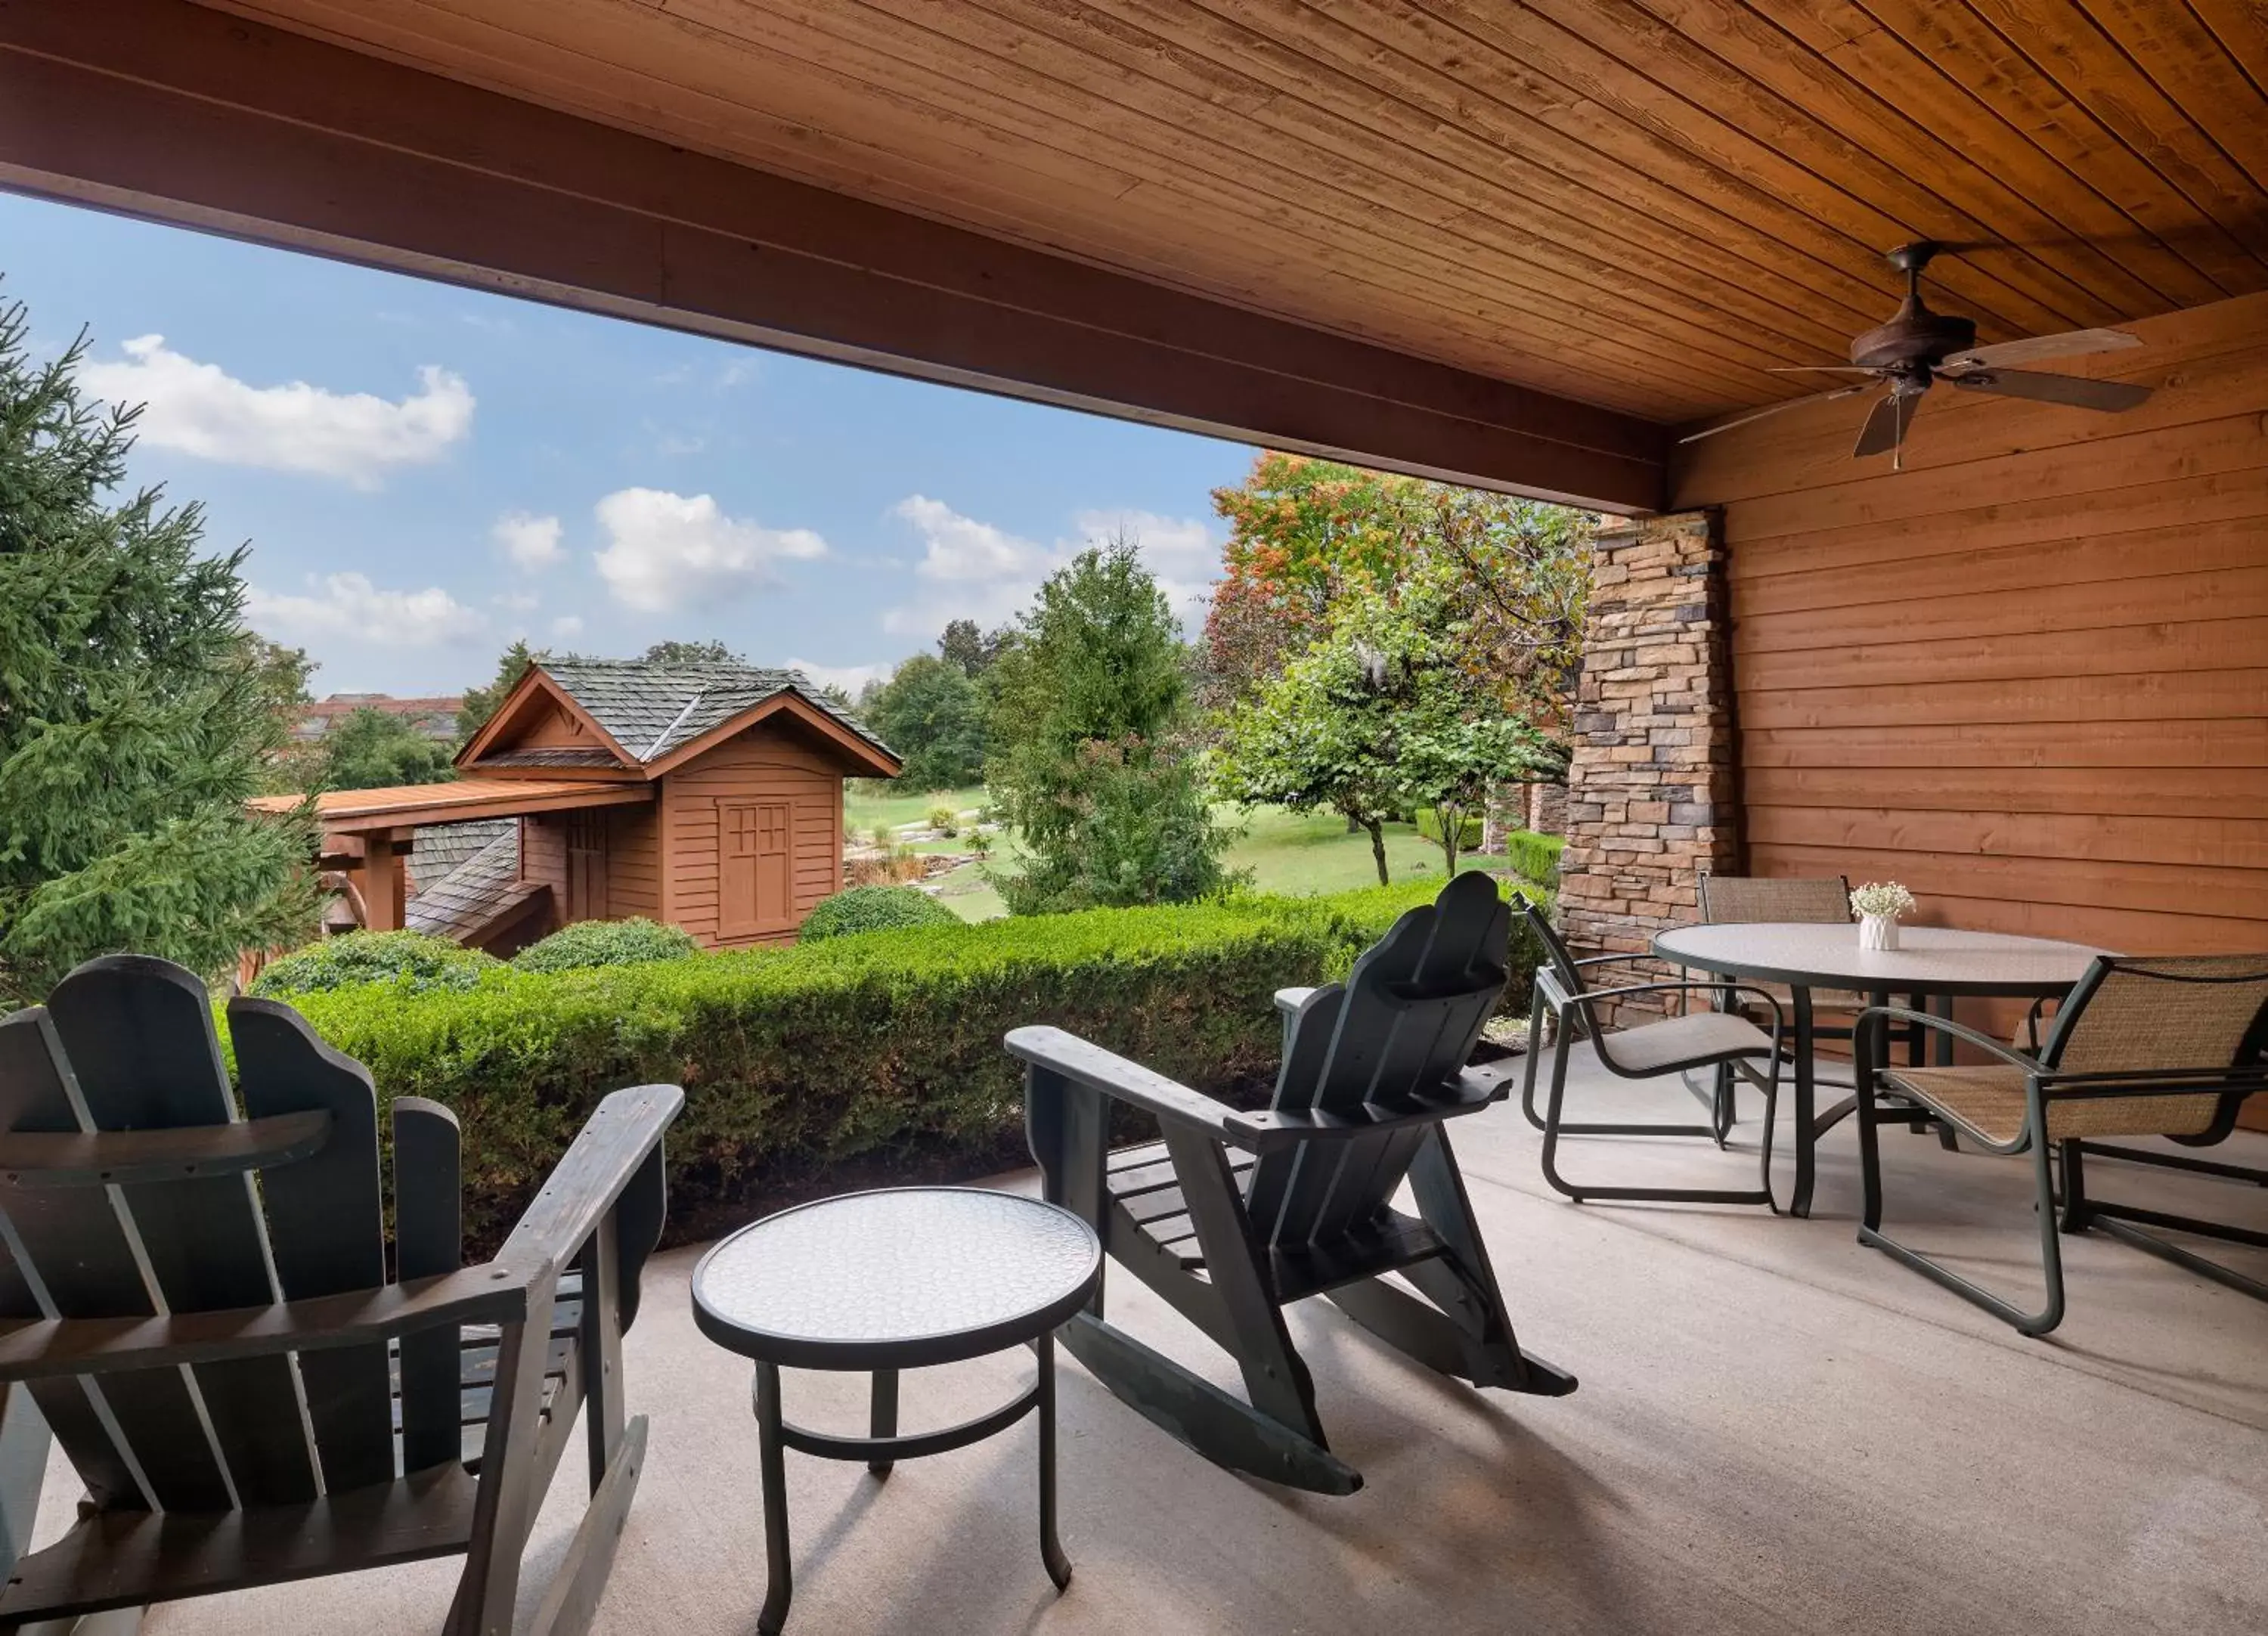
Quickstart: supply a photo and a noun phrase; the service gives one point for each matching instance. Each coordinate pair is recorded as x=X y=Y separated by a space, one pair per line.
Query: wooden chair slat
x=139 y=1035
x=429 y=1241
x=325 y=1219
x=77 y=1263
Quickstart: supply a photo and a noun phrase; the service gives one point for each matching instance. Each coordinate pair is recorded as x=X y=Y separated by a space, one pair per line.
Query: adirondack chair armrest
x=41 y=1349
x=620 y=1136
x=1054 y=1051
x=1289 y=1001
x=1470 y=1091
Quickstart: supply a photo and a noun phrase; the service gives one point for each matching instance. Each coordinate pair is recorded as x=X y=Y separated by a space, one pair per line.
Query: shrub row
x=1535 y=858
x=798 y=1058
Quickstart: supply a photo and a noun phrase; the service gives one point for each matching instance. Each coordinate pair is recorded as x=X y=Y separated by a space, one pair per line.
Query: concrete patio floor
x=1777 y=1430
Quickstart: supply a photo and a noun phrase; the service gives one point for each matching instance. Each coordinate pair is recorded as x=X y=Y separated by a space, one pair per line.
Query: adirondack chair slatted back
x=326 y=1223
x=1406 y=1018
x=428 y=1242
x=128 y=1043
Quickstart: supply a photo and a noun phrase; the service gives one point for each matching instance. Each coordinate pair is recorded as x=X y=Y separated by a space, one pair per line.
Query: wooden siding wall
x=633 y=863
x=764 y=763
x=2028 y=675
x=543 y=856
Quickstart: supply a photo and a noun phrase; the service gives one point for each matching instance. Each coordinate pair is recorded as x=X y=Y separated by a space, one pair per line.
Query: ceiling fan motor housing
x=1915 y=336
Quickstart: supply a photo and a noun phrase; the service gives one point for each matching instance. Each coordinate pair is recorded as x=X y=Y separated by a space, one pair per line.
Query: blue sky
x=425 y=472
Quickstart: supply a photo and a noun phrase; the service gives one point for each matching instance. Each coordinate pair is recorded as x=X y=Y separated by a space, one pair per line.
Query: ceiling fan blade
x=1818 y=369
x=1886 y=427
x=2072 y=344
x=2108 y=395
x=1774 y=409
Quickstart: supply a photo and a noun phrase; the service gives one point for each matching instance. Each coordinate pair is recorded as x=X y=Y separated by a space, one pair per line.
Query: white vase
x=1878 y=932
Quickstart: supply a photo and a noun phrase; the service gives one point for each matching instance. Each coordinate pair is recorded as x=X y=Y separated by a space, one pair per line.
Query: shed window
x=756 y=872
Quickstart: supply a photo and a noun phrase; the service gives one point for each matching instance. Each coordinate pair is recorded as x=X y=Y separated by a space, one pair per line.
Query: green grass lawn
x=861 y=813
x=1288 y=852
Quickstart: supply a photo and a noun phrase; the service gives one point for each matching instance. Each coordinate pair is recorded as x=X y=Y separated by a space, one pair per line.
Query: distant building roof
x=651 y=709
x=435 y=717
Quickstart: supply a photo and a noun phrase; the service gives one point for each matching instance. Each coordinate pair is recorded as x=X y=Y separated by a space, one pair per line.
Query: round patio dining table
x=1933 y=965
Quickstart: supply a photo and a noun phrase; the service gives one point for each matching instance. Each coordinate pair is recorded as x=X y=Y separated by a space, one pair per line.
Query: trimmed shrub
x=412 y=963
x=605 y=943
x=944 y=819
x=1469 y=830
x=798 y=1058
x=1533 y=857
x=873 y=909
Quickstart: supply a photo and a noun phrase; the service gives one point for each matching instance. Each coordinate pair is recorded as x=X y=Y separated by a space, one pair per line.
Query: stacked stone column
x=1652 y=795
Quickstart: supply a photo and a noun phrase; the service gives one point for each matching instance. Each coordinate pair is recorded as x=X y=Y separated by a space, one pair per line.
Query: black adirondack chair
x=1235 y=1215
x=245 y=1395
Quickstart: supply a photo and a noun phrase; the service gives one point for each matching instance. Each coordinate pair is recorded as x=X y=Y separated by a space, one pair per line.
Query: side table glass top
x=897 y=1266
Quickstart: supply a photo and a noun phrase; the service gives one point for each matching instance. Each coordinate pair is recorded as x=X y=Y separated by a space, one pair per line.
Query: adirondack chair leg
x=1067 y=1128
x=1277 y=1381
x=601 y=1348
x=571 y=1600
x=506 y=1509
x=1439 y=1190
x=1218 y=1424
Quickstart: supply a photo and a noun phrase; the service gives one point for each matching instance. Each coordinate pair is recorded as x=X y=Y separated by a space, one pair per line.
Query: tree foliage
x=973 y=650
x=692 y=654
x=374 y=749
x=1090 y=763
x=1381 y=716
x=137 y=715
x=933 y=716
x=480 y=702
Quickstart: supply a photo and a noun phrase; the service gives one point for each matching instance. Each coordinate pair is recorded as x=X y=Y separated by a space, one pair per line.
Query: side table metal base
x=880 y=1452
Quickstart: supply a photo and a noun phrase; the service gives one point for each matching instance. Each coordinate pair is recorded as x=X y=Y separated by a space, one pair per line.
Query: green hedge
x=589 y=943
x=873 y=909
x=1535 y=858
x=800 y=1058
x=1469 y=830
x=415 y=961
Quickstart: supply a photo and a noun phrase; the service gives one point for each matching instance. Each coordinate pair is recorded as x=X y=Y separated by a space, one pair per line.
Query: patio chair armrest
x=43 y=1348
x=1705 y=984
x=623 y=1132
x=1289 y=1001
x=1467 y=1091
x=1998 y=1049
x=1066 y=1056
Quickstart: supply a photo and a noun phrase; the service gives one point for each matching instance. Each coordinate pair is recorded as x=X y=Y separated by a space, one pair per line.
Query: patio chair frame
x=2066 y=1209
x=1562 y=994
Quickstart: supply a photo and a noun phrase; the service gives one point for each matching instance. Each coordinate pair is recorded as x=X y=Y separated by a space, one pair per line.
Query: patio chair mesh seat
x=1651 y=1047
x=1988 y=1104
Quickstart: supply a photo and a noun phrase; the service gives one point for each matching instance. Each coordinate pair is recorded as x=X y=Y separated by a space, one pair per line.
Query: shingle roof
x=551 y=757
x=652 y=708
x=471 y=897
x=437 y=849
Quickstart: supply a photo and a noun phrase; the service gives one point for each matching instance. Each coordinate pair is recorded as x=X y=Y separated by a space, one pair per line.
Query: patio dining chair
x=199 y=1304
x=2166 y=1046
x=1716 y=1039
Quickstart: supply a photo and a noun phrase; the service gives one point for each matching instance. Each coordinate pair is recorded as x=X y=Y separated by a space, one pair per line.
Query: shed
x=706 y=796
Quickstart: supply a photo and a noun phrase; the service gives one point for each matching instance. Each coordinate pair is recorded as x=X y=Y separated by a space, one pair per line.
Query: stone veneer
x=1651 y=794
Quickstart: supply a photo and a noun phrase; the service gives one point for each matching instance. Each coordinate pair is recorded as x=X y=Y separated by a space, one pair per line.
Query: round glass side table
x=895 y=1278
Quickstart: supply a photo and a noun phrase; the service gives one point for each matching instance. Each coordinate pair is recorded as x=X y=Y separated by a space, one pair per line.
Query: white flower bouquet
x=1878 y=904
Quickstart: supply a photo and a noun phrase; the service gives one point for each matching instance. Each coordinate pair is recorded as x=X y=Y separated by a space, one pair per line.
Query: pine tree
x=480 y=702
x=135 y=718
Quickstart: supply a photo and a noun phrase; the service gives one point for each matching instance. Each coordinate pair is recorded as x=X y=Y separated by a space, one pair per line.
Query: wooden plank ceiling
x=1644 y=204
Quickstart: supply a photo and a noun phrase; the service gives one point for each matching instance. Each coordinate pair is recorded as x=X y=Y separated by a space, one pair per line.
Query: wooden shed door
x=587 y=865
x=757 y=874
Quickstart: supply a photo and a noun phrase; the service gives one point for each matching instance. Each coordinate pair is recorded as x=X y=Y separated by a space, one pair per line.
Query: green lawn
x=861 y=813
x=1289 y=852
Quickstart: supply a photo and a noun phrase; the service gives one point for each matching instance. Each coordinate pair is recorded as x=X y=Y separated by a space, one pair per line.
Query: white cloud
x=668 y=550
x=531 y=543
x=850 y=678
x=978 y=571
x=518 y=602
x=348 y=606
x=202 y=409
x=567 y=627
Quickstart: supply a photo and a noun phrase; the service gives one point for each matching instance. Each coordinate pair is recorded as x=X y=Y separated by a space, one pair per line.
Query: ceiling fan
x=1918 y=348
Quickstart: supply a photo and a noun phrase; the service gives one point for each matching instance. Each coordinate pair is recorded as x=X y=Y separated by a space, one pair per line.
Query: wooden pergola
x=1524 y=244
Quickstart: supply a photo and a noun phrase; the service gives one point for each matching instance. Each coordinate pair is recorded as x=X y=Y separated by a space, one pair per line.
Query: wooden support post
x=384 y=897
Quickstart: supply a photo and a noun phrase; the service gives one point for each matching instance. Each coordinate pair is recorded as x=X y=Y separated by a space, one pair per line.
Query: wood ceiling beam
x=170 y=112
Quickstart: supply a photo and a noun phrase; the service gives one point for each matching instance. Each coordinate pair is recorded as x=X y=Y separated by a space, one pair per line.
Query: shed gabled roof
x=655 y=710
